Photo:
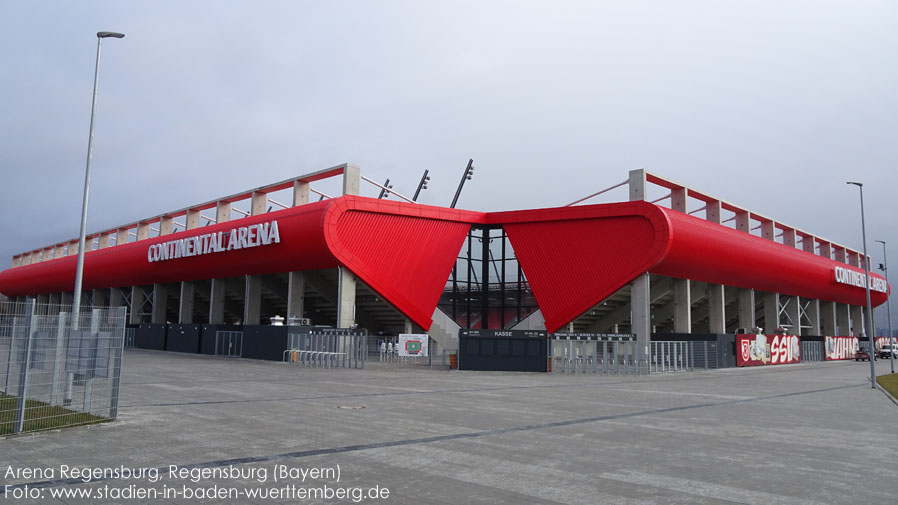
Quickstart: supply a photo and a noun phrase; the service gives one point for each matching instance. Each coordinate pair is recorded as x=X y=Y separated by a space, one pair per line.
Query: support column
x=99 y=298
x=683 y=306
x=160 y=303
x=828 y=318
x=186 y=303
x=300 y=193
x=641 y=313
x=216 y=301
x=218 y=286
x=187 y=300
x=66 y=298
x=771 y=312
x=640 y=288
x=346 y=286
x=296 y=289
x=121 y=236
x=409 y=328
x=115 y=298
x=747 y=308
x=137 y=300
x=55 y=299
x=813 y=313
x=843 y=319
x=252 y=300
x=717 y=318
x=351 y=179
x=857 y=319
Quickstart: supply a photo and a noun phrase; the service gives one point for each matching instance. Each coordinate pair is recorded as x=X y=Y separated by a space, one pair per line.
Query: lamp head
x=858 y=184
x=104 y=35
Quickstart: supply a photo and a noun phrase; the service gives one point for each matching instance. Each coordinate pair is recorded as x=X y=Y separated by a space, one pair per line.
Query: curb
x=888 y=395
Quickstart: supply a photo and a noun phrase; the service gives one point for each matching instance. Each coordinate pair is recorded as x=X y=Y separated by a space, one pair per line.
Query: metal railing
x=597 y=356
x=676 y=356
x=386 y=351
x=812 y=351
x=326 y=348
x=54 y=375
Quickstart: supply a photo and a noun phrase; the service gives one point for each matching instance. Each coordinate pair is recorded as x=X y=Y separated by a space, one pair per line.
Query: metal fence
x=326 y=348
x=129 y=337
x=55 y=371
x=812 y=351
x=386 y=351
x=229 y=344
x=598 y=356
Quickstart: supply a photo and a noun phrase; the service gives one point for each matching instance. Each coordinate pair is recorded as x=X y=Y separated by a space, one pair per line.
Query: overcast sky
x=770 y=105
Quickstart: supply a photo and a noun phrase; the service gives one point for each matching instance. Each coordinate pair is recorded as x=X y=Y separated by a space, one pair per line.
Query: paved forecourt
x=810 y=433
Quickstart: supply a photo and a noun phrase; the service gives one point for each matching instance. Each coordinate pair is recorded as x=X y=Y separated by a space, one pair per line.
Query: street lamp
x=79 y=270
x=885 y=268
x=867 y=287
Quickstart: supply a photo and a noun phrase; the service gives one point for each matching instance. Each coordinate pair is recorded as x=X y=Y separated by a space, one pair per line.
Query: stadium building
x=680 y=263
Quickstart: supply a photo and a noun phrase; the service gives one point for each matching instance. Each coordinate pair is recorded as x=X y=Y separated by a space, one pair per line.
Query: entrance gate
x=229 y=344
x=595 y=353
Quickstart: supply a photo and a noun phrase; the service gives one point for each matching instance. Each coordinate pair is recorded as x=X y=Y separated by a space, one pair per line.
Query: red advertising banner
x=759 y=350
x=840 y=348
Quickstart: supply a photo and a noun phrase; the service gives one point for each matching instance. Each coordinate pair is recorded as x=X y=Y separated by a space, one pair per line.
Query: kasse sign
x=242 y=237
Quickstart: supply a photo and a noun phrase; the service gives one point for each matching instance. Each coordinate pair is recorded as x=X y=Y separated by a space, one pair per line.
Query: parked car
x=863 y=355
x=888 y=351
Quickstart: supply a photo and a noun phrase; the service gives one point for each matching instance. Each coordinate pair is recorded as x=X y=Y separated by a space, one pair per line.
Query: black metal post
x=502 y=284
x=464 y=177
x=485 y=279
x=421 y=185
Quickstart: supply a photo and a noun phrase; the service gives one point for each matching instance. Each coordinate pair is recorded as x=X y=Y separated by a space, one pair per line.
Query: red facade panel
x=709 y=252
x=576 y=257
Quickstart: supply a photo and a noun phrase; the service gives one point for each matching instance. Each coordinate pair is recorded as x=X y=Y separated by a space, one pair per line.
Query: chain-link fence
x=55 y=371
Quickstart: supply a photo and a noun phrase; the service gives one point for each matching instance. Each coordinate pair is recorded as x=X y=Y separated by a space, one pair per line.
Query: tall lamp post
x=79 y=270
x=867 y=288
x=885 y=268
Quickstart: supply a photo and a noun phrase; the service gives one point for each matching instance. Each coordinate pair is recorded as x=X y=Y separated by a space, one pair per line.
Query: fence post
x=24 y=374
x=61 y=359
x=117 y=367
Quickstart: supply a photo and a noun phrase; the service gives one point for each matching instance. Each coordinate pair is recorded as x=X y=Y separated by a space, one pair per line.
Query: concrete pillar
x=192 y=219
x=768 y=230
x=717 y=318
x=813 y=314
x=137 y=300
x=826 y=250
x=143 y=231
x=641 y=313
x=296 y=286
x=165 y=226
x=104 y=241
x=828 y=318
x=346 y=287
x=66 y=298
x=72 y=249
x=853 y=258
x=186 y=303
x=409 y=328
x=252 y=300
x=857 y=319
x=683 y=306
x=218 y=287
x=160 y=303
x=121 y=236
x=793 y=310
x=59 y=252
x=771 y=312
x=808 y=244
x=640 y=288
x=259 y=203
x=99 y=298
x=300 y=193
x=222 y=212
x=843 y=319
x=747 y=308
x=116 y=298
x=789 y=238
x=55 y=299
x=678 y=199
x=351 y=179
x=839 y=254
x=216 y=301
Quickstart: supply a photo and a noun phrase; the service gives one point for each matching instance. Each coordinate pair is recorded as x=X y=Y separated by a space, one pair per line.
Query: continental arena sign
x=858 y=279
x=242 y=237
